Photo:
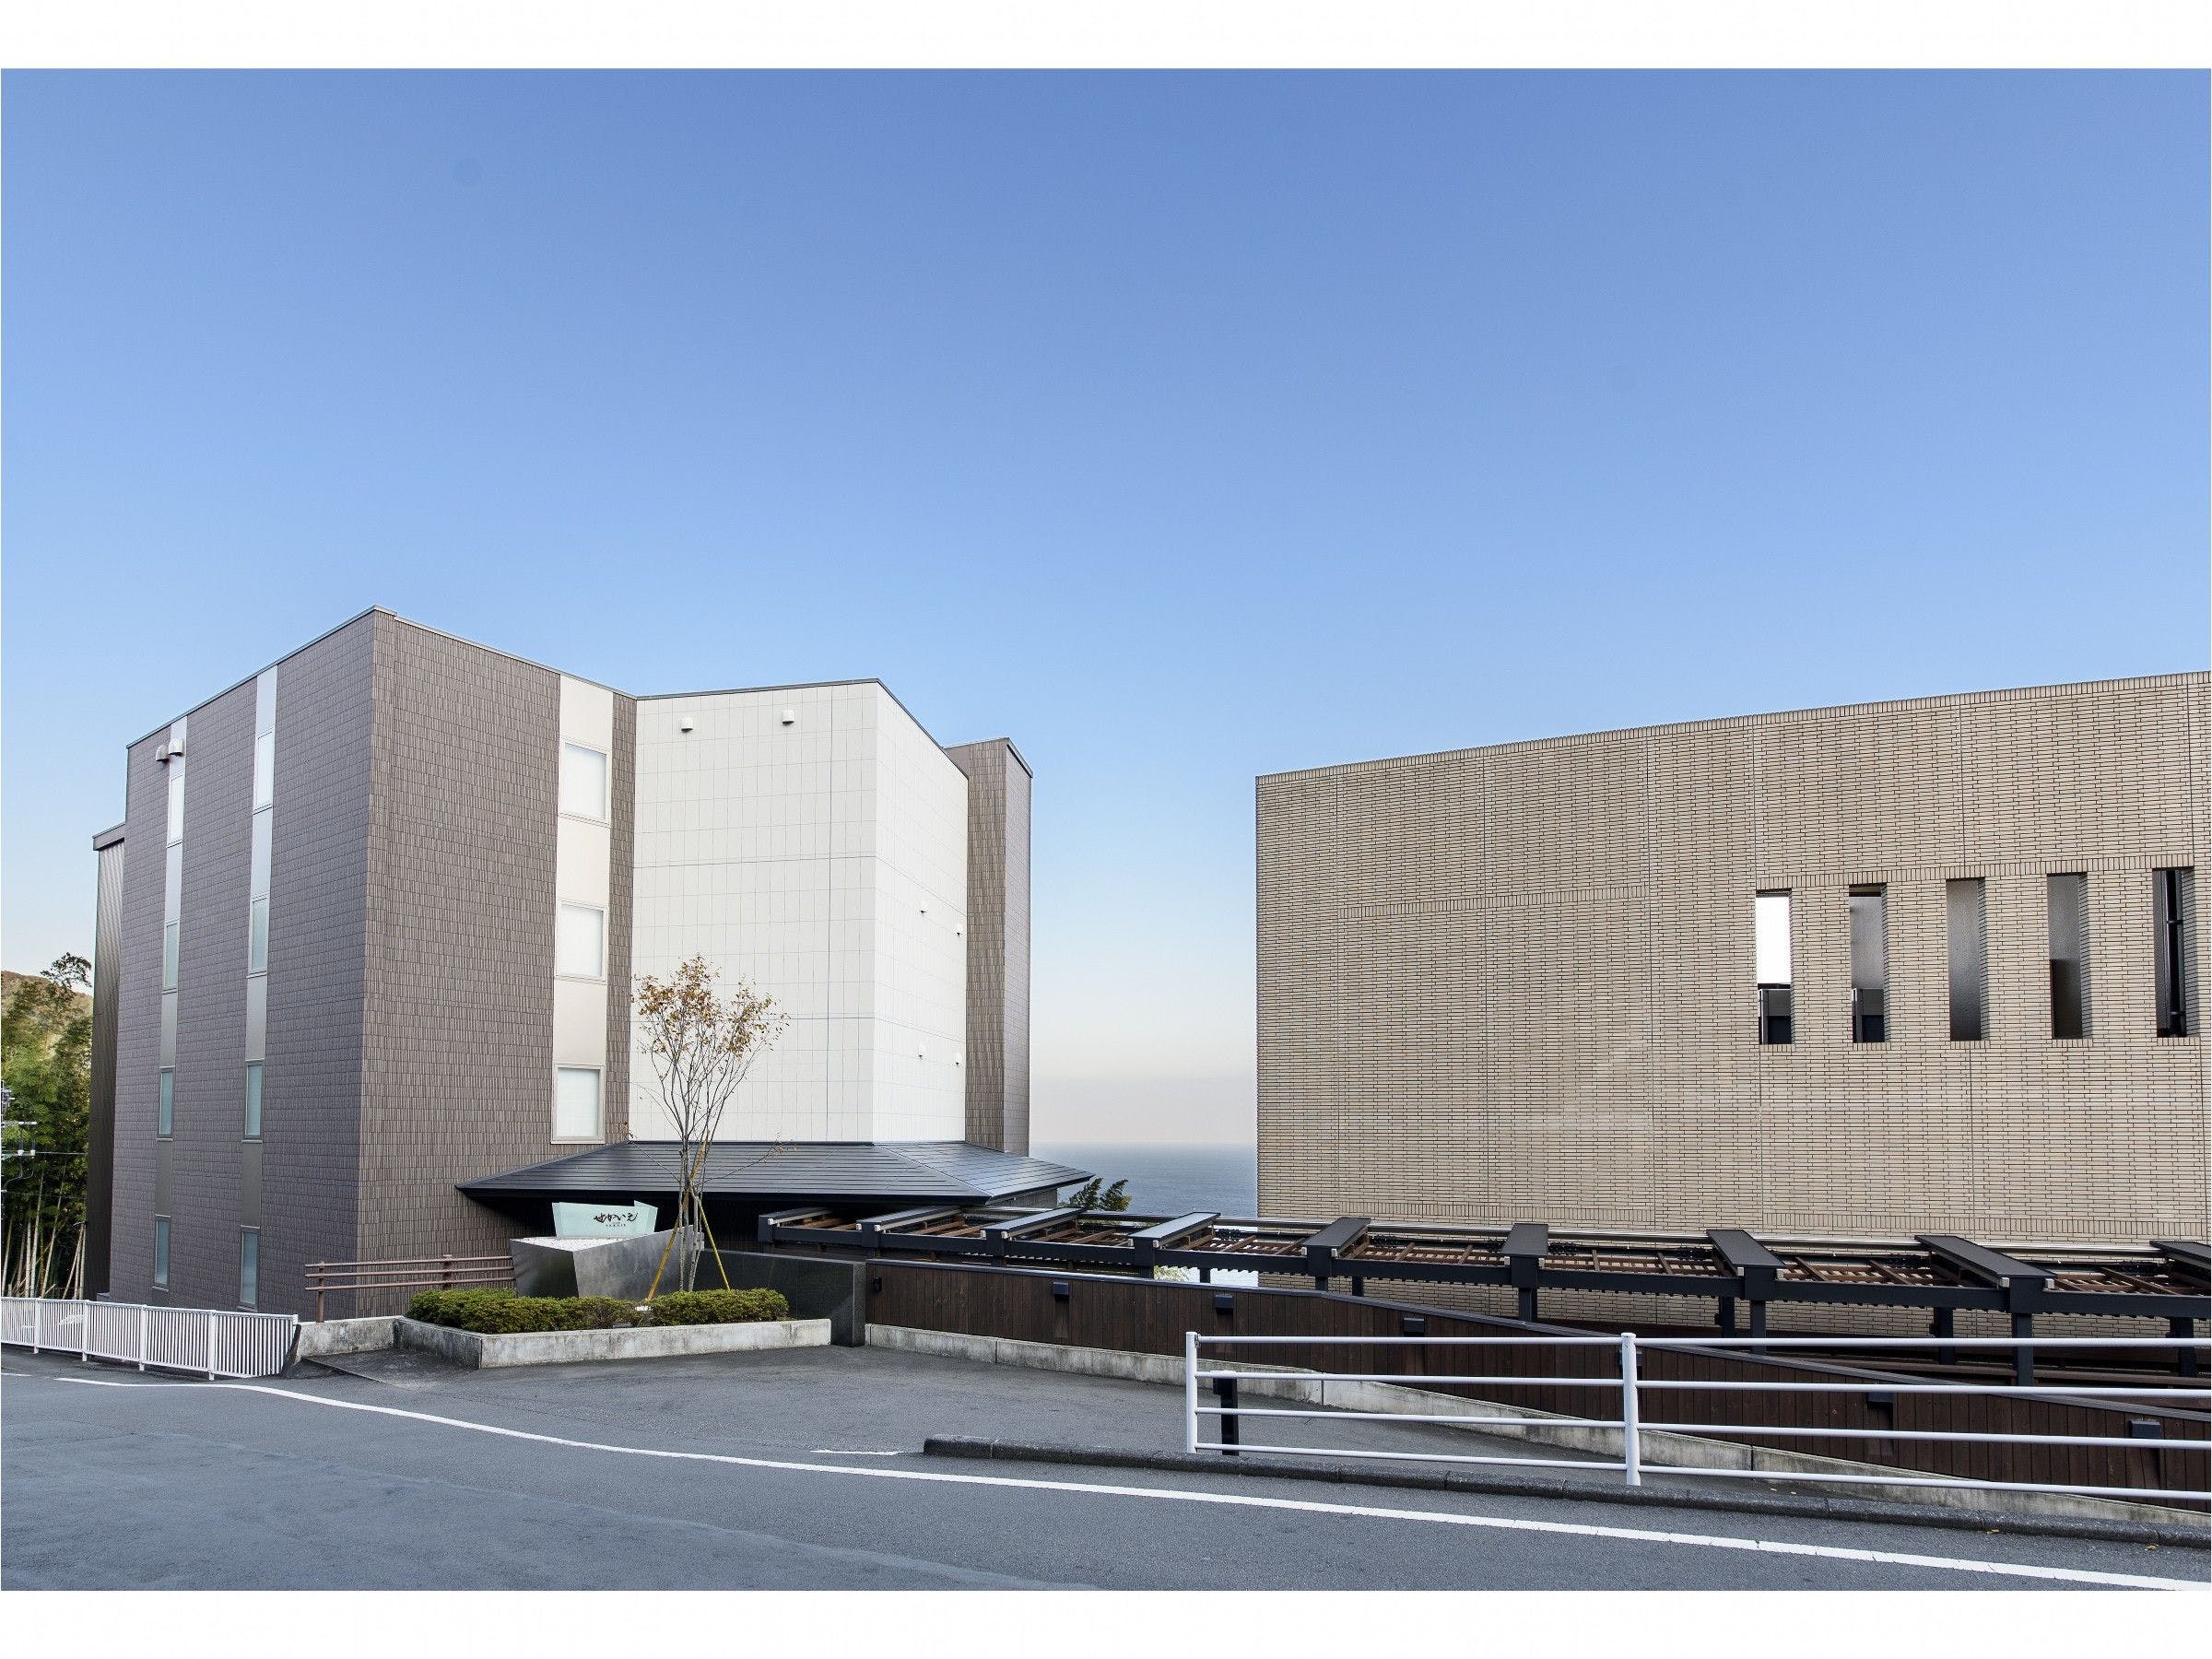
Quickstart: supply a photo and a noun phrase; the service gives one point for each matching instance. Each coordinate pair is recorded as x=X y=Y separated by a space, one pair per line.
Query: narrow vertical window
x=249 y=1266
x=161 y=1252
x=1966 y=915
x=579 y=941
x=257 y=937
x=1869 y=964
x=176 y=799
x=582 y=782
x=2173 y=897
x=169 y=957
x=2069 y=907
x=1771 y=964
x=165 y=1119
x=576 y=1103
x=253 y=1100
x=264 y=769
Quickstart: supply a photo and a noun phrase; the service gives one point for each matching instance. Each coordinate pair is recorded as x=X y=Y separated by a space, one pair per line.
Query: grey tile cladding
x=318 y=887
x=1515 y=984
x=458 y=1061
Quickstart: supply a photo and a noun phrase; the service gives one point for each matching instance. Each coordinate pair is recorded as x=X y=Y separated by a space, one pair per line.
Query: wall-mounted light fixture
x=685 y=723
x=790 y=716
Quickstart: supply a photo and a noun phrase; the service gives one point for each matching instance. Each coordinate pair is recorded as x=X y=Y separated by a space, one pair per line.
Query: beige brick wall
x=1515 y=983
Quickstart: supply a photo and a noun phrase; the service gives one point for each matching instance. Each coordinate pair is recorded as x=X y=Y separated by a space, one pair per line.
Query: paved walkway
x=800 y=1470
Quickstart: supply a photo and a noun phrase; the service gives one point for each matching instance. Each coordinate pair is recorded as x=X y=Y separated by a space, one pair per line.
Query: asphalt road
x=802 y=1471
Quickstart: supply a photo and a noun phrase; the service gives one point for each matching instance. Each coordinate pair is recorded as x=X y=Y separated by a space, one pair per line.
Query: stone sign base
x=616 y=1267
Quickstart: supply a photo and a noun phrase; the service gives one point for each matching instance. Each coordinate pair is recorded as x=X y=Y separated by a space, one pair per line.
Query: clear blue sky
x=1181 y=428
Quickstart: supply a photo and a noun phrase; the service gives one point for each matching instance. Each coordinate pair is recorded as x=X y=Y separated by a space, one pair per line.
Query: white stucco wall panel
x=825 y=861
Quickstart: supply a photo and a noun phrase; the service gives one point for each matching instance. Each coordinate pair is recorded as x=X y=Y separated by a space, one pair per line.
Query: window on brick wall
x=580 y=943
x=161 y=1252
x=1772 y=965
x=2174 y=900
x=576 y=1103
x=249 y=1266
x=582 y=782
x=2069 y=913
x=1966 y=917
x=169 y=957
x=1869 y=964
x=165 y=1115
x=253 y=1100
x=257 y=937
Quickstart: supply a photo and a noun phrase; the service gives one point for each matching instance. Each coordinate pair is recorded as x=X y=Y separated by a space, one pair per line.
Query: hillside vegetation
x=46 y=1068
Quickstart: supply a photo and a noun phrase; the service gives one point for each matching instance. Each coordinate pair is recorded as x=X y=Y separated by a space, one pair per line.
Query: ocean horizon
x=1167 y=1178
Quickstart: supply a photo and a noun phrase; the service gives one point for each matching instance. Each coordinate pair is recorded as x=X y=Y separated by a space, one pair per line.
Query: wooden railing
x=412 y=1272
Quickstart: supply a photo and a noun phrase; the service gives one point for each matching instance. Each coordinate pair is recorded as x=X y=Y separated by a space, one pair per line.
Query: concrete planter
x=342 y=1337
x=643 y=1342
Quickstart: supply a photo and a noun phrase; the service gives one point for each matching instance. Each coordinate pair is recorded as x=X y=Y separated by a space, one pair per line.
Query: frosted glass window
x=265 y=768
x=2069 y=906
x=582 y=782
x=253 y=1100
x=249 y=1265
x=176 y=799
x=169 y=957
x=1965 y=905
x=1771 y=939
x=579 y=950
x=257 y=937
x=576 y=1103
x=165 y=1116
x=161 y=1252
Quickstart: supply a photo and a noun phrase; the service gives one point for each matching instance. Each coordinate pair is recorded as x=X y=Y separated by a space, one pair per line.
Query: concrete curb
x=1662 y=1450
x=1800 y=1506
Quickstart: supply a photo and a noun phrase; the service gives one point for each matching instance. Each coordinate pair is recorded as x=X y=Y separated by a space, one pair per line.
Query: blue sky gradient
x=1182 y=428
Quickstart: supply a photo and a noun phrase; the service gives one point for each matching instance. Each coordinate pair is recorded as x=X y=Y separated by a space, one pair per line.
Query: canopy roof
x=783 y=1171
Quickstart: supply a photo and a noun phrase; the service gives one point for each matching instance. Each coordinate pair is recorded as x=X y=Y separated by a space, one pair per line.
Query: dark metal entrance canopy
x=857 y=1172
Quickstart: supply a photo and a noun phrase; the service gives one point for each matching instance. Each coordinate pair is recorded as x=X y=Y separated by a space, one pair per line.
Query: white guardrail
x=1626 y=1389
x=213 y=1342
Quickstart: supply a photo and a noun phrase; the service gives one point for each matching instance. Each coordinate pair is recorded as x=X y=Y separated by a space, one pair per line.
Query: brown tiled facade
x=1517 y=982
x=998 y=944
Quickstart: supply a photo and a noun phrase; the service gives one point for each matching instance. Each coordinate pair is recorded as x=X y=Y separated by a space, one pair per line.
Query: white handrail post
x=211 y=1316
x=83 y=1313
x=142 y=1311
x=1631 y=1450
x=1189 y=1392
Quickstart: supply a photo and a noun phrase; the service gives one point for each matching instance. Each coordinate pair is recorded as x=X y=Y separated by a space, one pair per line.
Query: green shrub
x=718 y=1307
x=501 y=1312
x=498 y=1311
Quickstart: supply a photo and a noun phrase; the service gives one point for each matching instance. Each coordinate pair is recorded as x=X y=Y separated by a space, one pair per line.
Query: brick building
x=368 y=928
x=1853 y=972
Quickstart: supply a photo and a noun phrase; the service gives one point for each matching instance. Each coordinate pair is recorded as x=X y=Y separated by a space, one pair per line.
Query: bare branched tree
x=701 y=1044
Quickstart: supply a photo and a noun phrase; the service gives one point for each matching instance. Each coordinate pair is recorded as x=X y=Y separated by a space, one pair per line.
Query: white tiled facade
x=811 y=840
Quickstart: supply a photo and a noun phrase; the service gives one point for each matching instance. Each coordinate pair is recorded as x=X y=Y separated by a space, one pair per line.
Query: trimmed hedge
x=501 y=1312
x=718 y=1307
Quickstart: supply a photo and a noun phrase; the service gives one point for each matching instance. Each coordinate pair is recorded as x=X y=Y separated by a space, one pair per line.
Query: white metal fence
x=214 y=1342
x=1624 y=1394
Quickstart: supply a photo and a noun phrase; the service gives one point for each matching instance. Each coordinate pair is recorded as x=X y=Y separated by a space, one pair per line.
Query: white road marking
x=849 y=1451
x=2072 y=1575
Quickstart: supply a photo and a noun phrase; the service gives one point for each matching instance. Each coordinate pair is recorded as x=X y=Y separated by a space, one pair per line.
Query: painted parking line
x=1632 y=1534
